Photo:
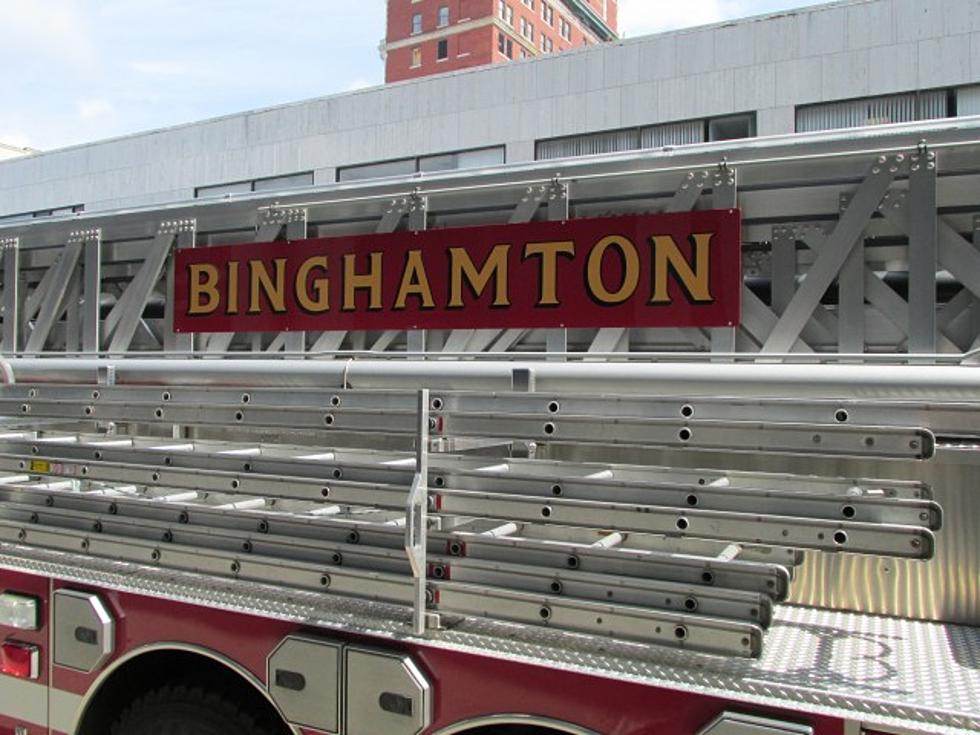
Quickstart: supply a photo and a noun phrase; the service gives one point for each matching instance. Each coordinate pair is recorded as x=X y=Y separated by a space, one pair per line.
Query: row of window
x=883 y=110
x=506 y=13
x=56 y=212
x=895 y=108
x=270 y=183
x=729 y=127
x=442 y=52
x=442 y=20
x=457 y=160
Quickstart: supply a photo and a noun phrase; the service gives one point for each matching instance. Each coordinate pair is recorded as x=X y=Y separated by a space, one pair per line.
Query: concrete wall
x=768 y=65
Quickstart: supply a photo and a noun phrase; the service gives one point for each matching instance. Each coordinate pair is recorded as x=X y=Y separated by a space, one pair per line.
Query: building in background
x=13 y=151
x=427 y=37
x=842 y=65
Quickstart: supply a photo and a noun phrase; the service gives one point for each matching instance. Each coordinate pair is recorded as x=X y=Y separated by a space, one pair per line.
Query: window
x=967 y=101
x=547 y=46
x=269 y=183
x=56 y=212
x=426 y=164
x=664 y=135
x=442 y=50
x=588 y=145
x=506 y=13
x=527 y=29
x=278 y=183
x=377 y=170
x=897 y=108
x=417 y=23
x=505 y=46
x=732 y=127
x=464 y=159
x=529 y=3
x=671 y=134
x=565 y=29
x=548 y=14
x=416 y=57
x=443 y=16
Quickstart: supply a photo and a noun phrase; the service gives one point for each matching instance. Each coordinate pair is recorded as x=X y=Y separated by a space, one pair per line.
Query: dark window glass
x=732 y=127
x=443 y=50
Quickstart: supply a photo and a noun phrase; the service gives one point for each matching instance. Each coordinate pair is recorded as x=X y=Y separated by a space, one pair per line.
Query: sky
x=74 y=71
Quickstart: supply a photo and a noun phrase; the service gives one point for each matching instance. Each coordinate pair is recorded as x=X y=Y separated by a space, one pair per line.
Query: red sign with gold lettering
x=665 y=270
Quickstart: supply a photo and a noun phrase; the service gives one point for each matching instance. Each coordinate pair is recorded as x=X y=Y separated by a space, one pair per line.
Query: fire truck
x=680 y=441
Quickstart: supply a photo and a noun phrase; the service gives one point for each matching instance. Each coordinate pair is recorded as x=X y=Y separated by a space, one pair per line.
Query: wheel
x=184 y=710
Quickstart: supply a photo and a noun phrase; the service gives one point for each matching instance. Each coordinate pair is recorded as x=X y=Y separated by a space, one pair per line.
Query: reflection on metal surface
x=386 y=693
x=84 y=630
x=527 y=720
x=943 y=589
x=734 y=723
x=304 y=680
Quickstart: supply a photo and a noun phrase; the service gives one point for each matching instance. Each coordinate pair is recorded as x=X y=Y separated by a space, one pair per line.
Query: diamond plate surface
x=885 y=671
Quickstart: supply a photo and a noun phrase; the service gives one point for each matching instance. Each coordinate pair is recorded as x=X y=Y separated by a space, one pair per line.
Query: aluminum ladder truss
x=420 y=498
x=854 y=242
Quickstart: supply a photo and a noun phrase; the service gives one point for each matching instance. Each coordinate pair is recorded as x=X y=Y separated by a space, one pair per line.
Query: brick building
x=427 y=37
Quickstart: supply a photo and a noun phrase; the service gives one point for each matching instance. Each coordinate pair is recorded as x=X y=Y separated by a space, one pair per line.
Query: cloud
x=359 y=83
x=88 y=109
x=640 y=17
x=48 y=28
x=161 y=67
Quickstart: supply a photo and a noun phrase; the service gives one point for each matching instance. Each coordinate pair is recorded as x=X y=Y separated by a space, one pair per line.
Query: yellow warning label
x=40 y=465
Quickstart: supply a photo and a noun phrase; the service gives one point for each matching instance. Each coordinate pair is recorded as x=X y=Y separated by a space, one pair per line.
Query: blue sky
x=79 y=70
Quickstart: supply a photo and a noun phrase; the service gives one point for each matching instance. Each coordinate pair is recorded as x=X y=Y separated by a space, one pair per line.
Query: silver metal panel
x=304 y=680
x=173 y=342
x=386 y=692
x=53 y=304
x=923 y=259
x=92 y=294
x=734 y=723
x=122 y=321
x=12 y=295
x=839 y=244
x=84 y=630
x=851 y=316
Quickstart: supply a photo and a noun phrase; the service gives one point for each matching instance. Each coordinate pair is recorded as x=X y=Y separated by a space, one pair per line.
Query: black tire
x=184 y=710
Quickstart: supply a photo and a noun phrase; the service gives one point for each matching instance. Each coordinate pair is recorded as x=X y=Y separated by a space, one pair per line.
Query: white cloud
x=88 y=109
x=640 y=17
x=356 y=84
x=161 y=67
x=51 y=28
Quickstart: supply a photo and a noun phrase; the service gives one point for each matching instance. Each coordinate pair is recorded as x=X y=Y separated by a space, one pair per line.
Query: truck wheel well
x=154 y=669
